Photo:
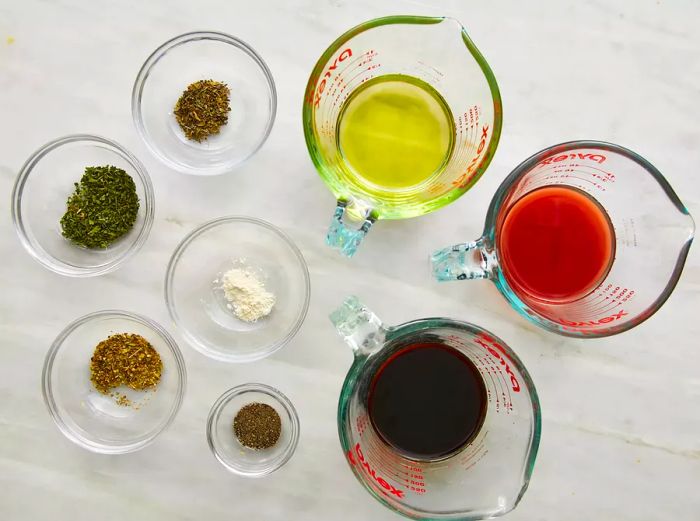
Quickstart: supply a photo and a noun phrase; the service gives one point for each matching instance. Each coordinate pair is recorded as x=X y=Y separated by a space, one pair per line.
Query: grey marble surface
x=621 y=421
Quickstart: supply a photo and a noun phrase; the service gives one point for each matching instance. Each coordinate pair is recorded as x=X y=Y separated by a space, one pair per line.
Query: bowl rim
x=33 y=247
x=48 y=395
x=225 y=398
x=191 y=337
x=150 y=63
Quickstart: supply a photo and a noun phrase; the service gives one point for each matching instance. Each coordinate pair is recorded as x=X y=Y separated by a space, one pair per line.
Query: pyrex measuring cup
x=490 y=474
x=438 y=53
x=652 y=235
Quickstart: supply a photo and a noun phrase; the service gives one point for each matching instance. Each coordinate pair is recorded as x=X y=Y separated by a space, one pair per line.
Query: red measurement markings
x=495 y=349
x=465 y=142
x=494 y=374
x=466 y=136
x=339 y=87
x=599 y=309
x=361 y=423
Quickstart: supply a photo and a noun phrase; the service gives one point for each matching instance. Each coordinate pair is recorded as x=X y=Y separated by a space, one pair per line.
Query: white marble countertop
x=621 y=421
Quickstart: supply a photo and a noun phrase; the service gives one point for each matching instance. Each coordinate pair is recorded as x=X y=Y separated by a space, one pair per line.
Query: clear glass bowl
x=197 y=304
x=198 y=56
x=226 y=447
x=93 y=420
x=39 y=201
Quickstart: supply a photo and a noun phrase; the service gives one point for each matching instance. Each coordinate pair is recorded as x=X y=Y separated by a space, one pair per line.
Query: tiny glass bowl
x=184 y=60
x=41 y=191
x=96 y=421
x=230 y=452
x=196 y=300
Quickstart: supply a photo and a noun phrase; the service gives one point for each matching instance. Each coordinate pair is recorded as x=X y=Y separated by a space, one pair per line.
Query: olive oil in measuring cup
x=395 y=133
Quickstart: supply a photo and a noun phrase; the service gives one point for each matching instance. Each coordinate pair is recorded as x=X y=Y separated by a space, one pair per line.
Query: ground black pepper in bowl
x=257 y=426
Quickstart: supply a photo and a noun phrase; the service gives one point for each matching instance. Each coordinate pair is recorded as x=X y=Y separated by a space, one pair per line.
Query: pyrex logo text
x=562 y=157
x=368 y=468
x=462 y=180
x=346 y=53
x=592 y=323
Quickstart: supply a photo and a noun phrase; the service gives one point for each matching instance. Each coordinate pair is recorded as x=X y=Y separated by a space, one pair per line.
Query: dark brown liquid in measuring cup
x=427 y=401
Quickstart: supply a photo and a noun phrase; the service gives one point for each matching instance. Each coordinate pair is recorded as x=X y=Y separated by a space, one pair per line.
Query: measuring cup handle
x=343 y=238
x=361 y=329
x=470 y=260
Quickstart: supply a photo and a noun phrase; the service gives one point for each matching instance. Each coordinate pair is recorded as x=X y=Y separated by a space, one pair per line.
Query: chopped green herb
x=103 y=207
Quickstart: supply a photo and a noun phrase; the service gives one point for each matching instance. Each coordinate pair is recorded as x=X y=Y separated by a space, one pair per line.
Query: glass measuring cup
x=438 y=53
x=488 y=476
x=652 y=235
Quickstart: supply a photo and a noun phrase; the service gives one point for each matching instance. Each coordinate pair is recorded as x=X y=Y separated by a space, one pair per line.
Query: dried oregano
x=203 y=109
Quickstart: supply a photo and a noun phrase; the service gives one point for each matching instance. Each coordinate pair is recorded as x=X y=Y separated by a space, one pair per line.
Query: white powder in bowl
x=246 y=293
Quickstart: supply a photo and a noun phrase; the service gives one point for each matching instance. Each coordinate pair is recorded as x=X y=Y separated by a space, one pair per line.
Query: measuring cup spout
x=344 y=238
x=361 y=329
x=470 y=260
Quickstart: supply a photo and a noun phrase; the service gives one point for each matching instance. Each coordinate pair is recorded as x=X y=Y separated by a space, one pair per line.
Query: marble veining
x=621 y=422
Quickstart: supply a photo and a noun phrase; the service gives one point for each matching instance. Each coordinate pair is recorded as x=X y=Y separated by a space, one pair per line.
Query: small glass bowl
x=93 y=420
x=200 y=56
x=197 y=303
x=39 y=198
x=228 y=450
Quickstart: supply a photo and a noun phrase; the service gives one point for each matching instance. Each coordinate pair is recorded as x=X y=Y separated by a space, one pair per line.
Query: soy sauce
x=427 y=401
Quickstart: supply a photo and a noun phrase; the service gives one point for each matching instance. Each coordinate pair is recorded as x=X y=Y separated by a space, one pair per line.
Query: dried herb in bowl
x=102 y=209
x=203 y=109
x=257 y=426
x=125 y=359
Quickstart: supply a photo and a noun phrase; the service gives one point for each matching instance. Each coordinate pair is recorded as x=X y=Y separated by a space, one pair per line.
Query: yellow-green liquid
x=395 y=132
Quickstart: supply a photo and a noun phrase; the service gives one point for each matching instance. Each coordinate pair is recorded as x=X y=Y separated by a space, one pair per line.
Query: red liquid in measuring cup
x=427 y=400
x=555 y=244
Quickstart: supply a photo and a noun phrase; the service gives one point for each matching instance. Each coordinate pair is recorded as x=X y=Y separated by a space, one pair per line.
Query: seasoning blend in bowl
x=125 y=360
x=204 y=102
x=82 y=205
x=238 y=288
x=113 y=381
x=253 y=429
